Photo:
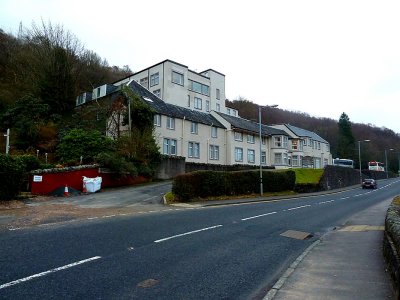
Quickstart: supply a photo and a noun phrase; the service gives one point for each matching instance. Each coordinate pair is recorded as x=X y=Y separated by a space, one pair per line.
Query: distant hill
x=381 y=138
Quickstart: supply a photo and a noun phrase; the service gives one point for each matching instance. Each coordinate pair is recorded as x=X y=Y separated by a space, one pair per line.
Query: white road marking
x=259 y=216
x=187 y=233
x=48 y=272
x=344 y=198
x=298 y=207
x=323 y=202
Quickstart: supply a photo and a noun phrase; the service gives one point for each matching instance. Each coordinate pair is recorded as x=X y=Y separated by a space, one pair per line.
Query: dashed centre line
x=298 y=207
x=48 y=272
x=259 y=216
x=187 y=233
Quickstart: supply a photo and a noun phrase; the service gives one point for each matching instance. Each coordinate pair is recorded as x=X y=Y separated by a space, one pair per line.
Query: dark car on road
x=369 y=184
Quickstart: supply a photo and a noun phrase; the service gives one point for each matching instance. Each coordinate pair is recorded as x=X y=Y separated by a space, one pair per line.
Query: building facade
x=192 y=121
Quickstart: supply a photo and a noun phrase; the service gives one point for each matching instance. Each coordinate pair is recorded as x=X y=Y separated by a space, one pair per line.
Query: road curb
x=278 y=285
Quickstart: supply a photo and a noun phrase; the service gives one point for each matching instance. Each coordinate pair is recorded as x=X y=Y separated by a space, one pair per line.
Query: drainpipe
x=183 y=131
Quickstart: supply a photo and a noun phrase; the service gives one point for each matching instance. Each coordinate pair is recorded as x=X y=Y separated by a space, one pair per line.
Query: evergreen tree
x=346 y=141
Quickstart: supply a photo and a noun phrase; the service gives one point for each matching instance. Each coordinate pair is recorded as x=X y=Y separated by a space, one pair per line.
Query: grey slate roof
x=173 y=110
x=251 y=126
x=306 y=133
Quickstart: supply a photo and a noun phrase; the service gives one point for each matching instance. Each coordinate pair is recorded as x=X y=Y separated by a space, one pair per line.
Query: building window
x=263 y=158
x=218 y=107
x=194 y=128
x=295 y=160
x=319 y=146
x=177 y=78
x=285 y=142
x=197 y=103
x=278 y=141
x=214 y=132
x=144 y=82
x=170 y=123
x=194 y=150
x=214 y=152
x=310 y=142
x=327 y=148
x=251 y=156
x=239 y=136
x=199 y=88
x=154 y=79
x=228 y=110
x=278 y=158
x=263 y=140
x=207 y=105
x=188 y=101
x=98 y=92
x=250 y=138
x=157 y=120
x=238 y=154
x=285 y=159
x=169 y=146
x=295 y=144
x=157 y=93
x=218 y=94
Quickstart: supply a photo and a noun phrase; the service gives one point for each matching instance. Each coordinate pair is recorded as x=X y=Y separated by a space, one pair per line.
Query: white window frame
x=250 y=138
x=198 y=103
x=214 y=152
x=177 y=78
x=218 y=107
x=171 y=123
x=218 y=94
x=238 y=154
x=278 y=141
x=193 y=150
x=154 y=79
x=278 y=158
x=157 y=120
x=157 y=93
x=207 y=105
x=238 y=136
x=251 y=156
x=194 y=128
x=263 y=157
x=214 y=132
x=169 y=146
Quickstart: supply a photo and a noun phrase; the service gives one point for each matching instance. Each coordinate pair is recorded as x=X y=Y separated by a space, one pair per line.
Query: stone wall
x=170 y=167
x=391 y=244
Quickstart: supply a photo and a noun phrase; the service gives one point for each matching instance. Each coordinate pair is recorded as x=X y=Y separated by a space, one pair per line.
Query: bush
x=28 y=162
x=213 y=183
x=11 y=176
x=116 y=164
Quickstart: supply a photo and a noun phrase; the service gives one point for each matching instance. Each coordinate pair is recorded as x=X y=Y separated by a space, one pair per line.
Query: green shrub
x=214 y=183
x=11 y=176
x=28 y=162
x=116 y=164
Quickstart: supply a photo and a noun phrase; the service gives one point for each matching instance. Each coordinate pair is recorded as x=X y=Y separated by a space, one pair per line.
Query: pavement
x=346 y=263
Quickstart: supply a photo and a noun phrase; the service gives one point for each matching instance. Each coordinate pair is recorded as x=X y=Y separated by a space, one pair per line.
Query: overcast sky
x=317 y=57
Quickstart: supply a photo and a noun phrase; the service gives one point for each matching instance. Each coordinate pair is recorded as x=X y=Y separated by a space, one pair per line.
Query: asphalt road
x=224 y=252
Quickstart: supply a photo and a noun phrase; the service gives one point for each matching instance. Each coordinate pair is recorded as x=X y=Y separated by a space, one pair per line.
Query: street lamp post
x=260 y=133
x=386 y=163
x=359 y=156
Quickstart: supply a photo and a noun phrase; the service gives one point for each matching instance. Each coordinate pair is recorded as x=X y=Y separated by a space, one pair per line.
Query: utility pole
x=7 y=135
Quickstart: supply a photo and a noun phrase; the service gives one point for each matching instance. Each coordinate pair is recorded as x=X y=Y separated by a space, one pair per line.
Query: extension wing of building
x=192 y=121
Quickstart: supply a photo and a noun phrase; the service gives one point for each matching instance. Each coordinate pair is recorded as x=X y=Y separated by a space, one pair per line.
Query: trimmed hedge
x=202 y=184
x=11 y=176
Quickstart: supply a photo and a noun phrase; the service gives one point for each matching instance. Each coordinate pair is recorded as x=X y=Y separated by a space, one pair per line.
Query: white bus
x=376 y=166
x=342 y=162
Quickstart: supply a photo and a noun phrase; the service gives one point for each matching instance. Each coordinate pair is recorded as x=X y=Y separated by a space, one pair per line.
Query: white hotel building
x=192 y=121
